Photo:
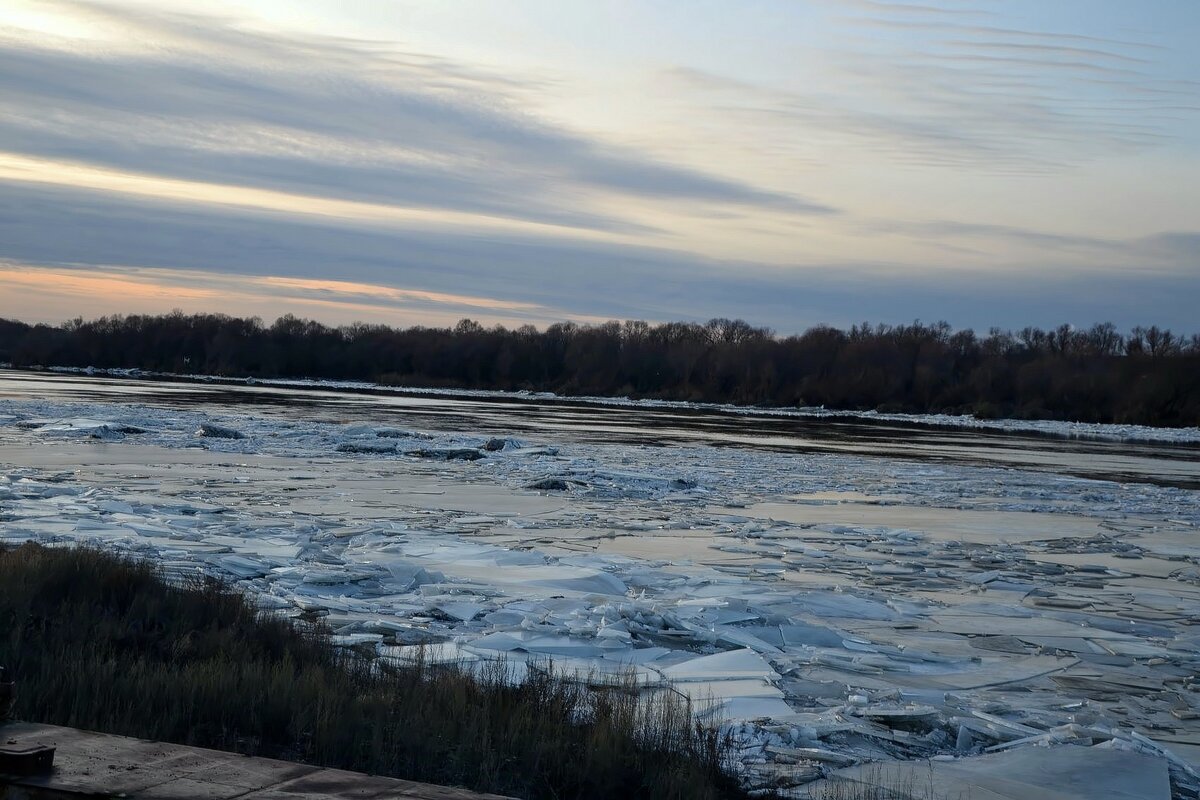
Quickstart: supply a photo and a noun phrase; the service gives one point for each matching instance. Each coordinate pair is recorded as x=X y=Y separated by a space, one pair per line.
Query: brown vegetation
x=1148 y=376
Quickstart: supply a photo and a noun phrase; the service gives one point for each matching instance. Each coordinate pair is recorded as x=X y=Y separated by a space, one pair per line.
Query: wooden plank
x=89 y=764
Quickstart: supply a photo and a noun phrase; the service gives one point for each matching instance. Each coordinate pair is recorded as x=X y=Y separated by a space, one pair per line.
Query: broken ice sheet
x=1062 y=773
x=734 y=685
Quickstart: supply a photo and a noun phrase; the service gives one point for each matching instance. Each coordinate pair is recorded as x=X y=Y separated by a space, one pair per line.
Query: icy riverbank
x=1053 y=428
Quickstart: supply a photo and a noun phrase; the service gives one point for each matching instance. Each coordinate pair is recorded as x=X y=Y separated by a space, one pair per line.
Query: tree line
x=1099 y=374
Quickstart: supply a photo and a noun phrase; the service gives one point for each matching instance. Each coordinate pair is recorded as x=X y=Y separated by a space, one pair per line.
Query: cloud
x=327 y=117
x=1001 y=33
x=407 y=271
x=108 y=230
x=181 y=153
x=1050 y=50
x=952 y=90
x=952 y=229
x=1181 y=246
x=913 y=9
x=1169 y=254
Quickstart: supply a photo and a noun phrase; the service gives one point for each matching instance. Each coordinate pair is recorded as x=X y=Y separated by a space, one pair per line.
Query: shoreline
x=1057 y=429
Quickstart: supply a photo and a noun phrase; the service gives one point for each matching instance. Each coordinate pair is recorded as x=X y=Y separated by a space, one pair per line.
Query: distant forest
x=1148 y=375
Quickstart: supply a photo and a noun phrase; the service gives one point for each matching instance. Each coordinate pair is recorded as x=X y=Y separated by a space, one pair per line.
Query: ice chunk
x=747 y=708
x=368 y=447
x=743 y=663
x=410 y=576
x=213 y=431
x=549 y=485
x=92 y=428
x=799 y=632
x=532 y=451
x=240 y=566
x=395 y=433
x=355 y=639
x=496 y=444
x=435 y=653
x=446 y=453
x=464 y=612
x=540 y=644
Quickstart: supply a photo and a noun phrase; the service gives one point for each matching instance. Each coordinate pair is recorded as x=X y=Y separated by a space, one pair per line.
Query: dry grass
x=883 y=782
x=103 y=643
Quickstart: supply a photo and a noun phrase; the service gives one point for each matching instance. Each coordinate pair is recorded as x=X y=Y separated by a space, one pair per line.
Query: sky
x=984 y=162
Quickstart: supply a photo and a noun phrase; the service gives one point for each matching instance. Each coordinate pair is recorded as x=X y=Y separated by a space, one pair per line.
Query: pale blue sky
x=989 y=163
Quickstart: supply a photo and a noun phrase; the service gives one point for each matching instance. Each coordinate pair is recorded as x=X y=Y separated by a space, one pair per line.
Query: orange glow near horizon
x=78 y=283
x=352 y=288
x=61 y=293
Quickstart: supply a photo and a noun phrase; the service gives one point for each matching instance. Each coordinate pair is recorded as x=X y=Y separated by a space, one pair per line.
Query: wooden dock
x=89 y=764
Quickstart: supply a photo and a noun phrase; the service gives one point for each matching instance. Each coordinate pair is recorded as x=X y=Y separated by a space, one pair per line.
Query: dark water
x=1177 y=465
